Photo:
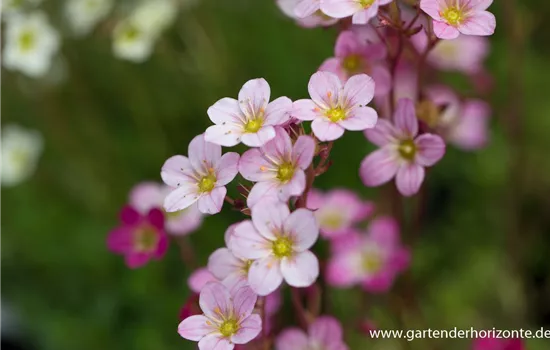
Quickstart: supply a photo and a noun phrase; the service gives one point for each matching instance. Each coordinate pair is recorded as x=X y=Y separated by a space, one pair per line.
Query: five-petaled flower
x=227 y=318
x=324 y=333
x=140 y=237
x=249 y=120
x=402 y=153
x=334 y=108
x=200 y=178
x=361 y=10
x=278 y=241
x=452 y=17
x=278 y=167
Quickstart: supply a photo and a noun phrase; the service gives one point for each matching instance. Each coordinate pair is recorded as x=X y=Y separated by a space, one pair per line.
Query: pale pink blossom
x=354 y=56
x=361 y=10
x=463 y=123
x=278 y=168
x=403 y=153
x=336 y=211
x=316 y=19
x=405 y=85
x=334 y=108
x=227 y=318
x=372 y=260
x=498 y=344
x=250 y=119
x=199 y=278
x=140 y=238
x=200 y=178
x=148 y=195
x=453 y=17
x=324 y=333
x=278 y=241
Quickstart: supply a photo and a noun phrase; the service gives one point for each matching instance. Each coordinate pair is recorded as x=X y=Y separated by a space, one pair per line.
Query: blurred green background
x=481 y=259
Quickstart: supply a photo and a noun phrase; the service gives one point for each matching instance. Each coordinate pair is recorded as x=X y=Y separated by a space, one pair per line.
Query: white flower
x=10 y=7
x=21 y=149
x=155 y=16
x=83 y=15
x=31 y=43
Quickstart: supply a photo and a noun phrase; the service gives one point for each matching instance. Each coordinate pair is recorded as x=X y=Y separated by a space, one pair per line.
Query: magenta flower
x=402 y=152
x=277 y=167
x=316 y=19
x=452 y=17
x=337 y=210
x=249 y=120
x=199 y=278
x=498 y=344
x=372 y=261
x=227 y=318
x=355 y=56
x=361 y=10
x=334 y=108
x=200 y=178
x=278 y=241
x=463 y=123
x=140 y=238
x=148 y=195
x=325 y=333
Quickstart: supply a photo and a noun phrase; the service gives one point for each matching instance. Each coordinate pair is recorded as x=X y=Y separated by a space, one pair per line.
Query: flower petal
x=215 y=341
x=334 y=65
x=215 y=300
x=344 y=270
x=211 y=203
x=181 y=198
x=294 y=187
x=203 y=155
x=300 y=270
x=195 y=327
x=129 y=215
x=326 y=330
x=347 y=44
x=444 y=31
x=222 y=263
x=147 y=195
x=224 y=111
x=430 y=149
x=481 y=23
x=120 y=240
x=248 y=243
x=384 y=231
x=358 y=91
x=278 y=111
x=471 y=131
x=292 y=339
x=433 y=8
x=360 y=118
x=259 y=138
x=156 y=218
x=265 y=275
x=262 y=190
x=303 y=151
x=227 y=168
x=382 y=134
x=303 y=228
x=269 y=216
x=304 y=109
x=249 y=329
x=137 y=259
x=253 y=166
x=305 y=8
x=325 y=89
x=223 y=135
x=409 y=178
x=326 y=130
x=244 y=300
x=254 y=96
x=365 y=15
x=199 y=278
x=405 y=118
x=382 y=80
x=479 y=5
x=175 y=171
x=379 y=167
x=340 y=8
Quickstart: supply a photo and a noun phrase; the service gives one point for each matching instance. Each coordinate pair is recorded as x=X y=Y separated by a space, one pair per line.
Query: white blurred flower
x=135 y=36
x=83 y=15
x=10 y=7
x=31 y=43
x=21 y=149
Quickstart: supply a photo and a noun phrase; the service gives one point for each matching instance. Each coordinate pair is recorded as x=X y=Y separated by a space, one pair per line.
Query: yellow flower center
x=353 y=64
x=246 y=266
x=366 y=3
x=130 y=33
x=332 y=220
x=428 y=112
x=336 y=114
x=453 y=16
x=207 y=183
x=282 y=247
x=372 y=263
x=253 y=125
x=27 y=40
x=229 y=327
x=285 y=172
x=407 y=149
x=145 y=239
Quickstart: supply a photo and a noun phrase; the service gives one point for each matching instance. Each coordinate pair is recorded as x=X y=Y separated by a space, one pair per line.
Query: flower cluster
x=376 y=83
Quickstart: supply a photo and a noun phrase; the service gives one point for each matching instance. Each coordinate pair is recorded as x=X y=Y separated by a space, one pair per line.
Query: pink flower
x=497 y=344
x=402 y=153
x=452 y=17
x=140 y=238
x=227 y=318
x=316 y=19
x=334 y=108
x=277 y=167
x=148 y=195
x=337 y=210
x=325 y=333
x=251 y=119
x=361 y=10
x=279 y=243
x=464 y=54
x=200 y=178
x=463 y=123
x=199 y=278
x=372 y=260
x=354 y=56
